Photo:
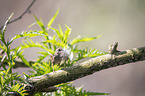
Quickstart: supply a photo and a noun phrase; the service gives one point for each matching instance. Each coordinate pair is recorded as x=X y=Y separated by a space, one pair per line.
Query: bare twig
x=18 y=18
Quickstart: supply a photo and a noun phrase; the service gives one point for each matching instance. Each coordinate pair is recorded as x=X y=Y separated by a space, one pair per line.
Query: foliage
x=49 y=44
x=69 y=90
x=8 y=79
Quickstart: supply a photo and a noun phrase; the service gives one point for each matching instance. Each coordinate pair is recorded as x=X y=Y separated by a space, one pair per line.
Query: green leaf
x=57 y=43
x=30 y=44
x=40 y=58
x=27 y=76
x=61 y=32
x=1 y=33
x=2 y=47
x=1 y=36
x=28 y=34
x=40 y=23
x=45 y=54
x=66 y=35
x=79 y=39
x=43 y=68
x=92 y=53
x=4 y=28
x=53 y=18
x=68 y=90
x=96 y=93
x=23 y=59
x=17 y=88
x=60 y=36
x=32 y=24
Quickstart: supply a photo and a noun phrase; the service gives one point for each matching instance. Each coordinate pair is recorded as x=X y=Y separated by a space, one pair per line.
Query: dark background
x=116 y=20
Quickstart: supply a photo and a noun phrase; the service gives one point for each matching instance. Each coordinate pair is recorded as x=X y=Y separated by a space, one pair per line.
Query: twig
x=28 y=8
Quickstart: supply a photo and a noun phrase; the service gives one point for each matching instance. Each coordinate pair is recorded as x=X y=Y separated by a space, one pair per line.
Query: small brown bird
x=58 y=56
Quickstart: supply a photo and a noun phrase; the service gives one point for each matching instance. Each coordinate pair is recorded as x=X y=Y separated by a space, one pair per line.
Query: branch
x=88 y=67
x=28 y=8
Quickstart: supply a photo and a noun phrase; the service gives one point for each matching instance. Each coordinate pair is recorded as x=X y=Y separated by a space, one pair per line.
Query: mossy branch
x=88 y=67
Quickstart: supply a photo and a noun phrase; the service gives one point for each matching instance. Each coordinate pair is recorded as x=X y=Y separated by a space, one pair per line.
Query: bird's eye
x=59 y=49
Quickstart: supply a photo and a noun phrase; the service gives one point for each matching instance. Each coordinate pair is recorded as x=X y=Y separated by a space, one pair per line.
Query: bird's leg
x=52 y=62
x=53 y=67
x=64 y=64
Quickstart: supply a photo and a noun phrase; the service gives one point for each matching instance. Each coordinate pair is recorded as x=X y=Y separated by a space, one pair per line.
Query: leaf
x=30 y=44
x=40 y=58
x=79 y=89
x=45 y=54
x=61 y=32
x=60 y=36
x=78 y=39
x=57 y=43
x=40 y=23
x=92 y=53
x=96 y=93
x=2 y=47
x=32 y=24
x=43 y=68
x=63 y=84
x=17 y=88
x=23 y=59
x=28 y=34
x=53 y=18
x=4 y=28
x=68 y=90
x=67 y=33
x=27 y=76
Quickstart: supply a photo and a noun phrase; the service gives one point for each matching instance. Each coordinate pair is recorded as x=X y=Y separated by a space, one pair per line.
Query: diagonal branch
x=86 y=68
x=28 y=8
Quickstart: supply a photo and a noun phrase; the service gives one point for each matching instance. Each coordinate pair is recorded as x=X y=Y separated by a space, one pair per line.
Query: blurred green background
x=116 y=20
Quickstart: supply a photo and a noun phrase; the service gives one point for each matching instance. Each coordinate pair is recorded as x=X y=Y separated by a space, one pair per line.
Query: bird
x=59 y=55
x=56 y=58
